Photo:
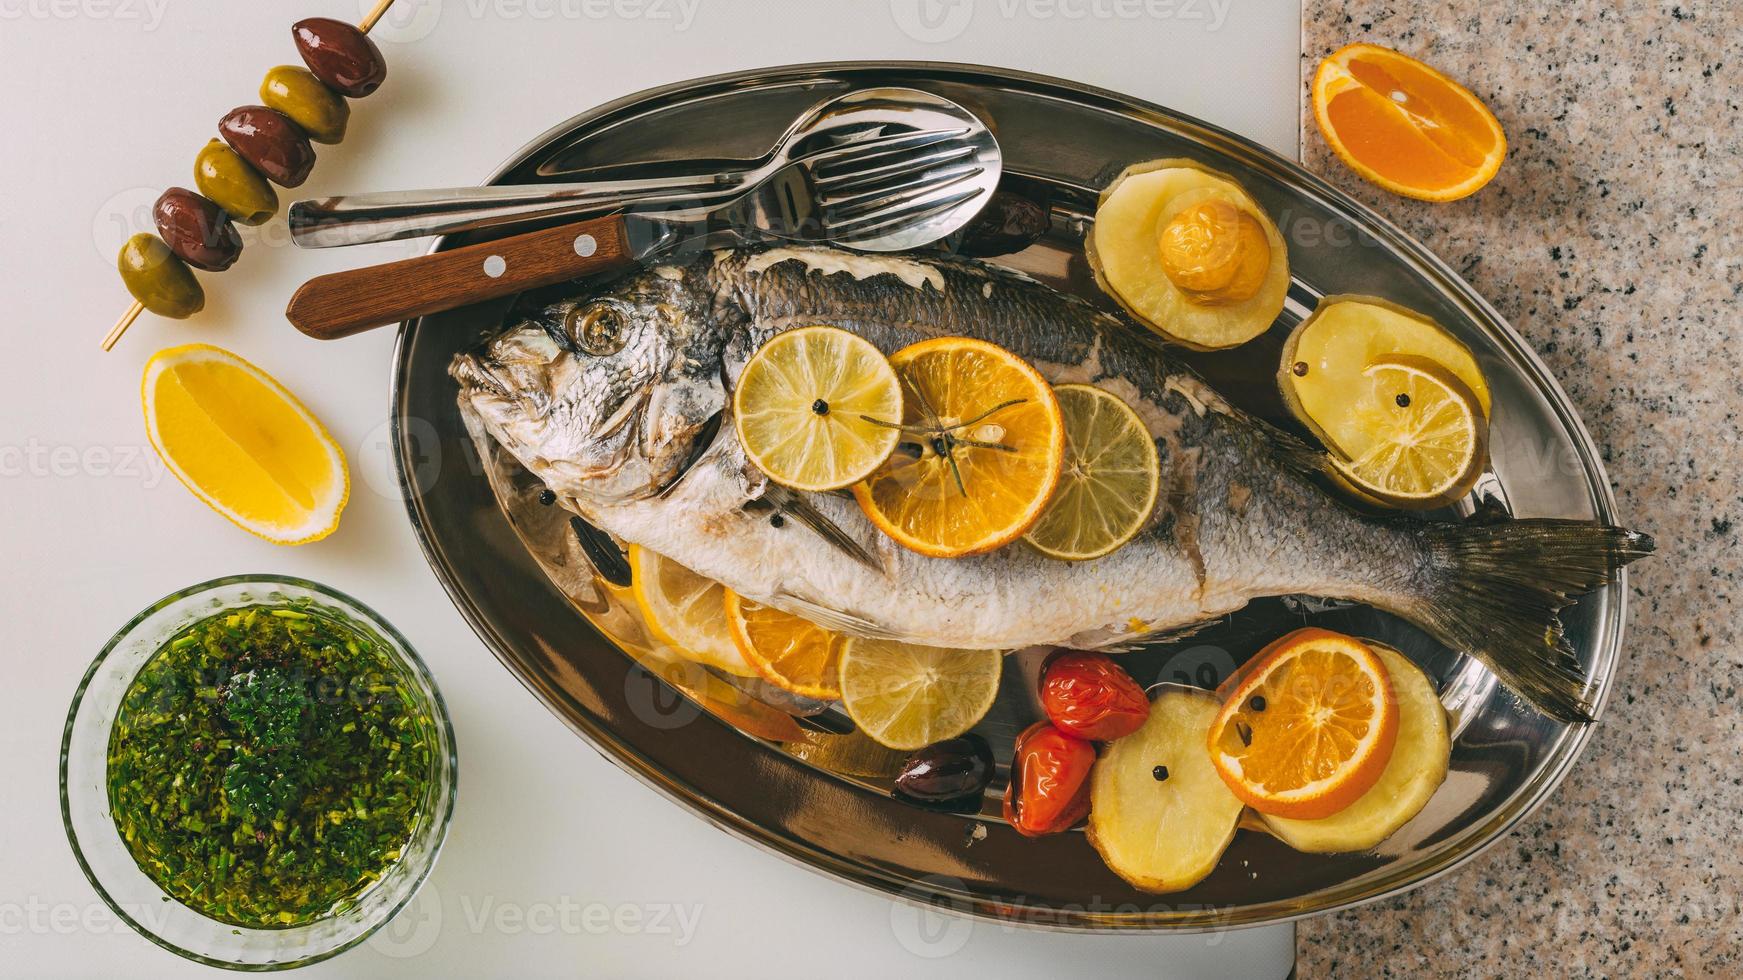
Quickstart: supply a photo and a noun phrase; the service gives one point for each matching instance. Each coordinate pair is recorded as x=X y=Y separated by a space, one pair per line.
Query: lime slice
x=1108 y=486
x=906 y=696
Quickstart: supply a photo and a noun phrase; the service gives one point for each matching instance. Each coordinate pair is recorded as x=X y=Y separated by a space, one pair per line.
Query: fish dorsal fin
x=1289 y=449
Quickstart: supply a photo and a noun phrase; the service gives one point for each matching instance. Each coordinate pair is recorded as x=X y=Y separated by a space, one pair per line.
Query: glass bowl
x=111 y=867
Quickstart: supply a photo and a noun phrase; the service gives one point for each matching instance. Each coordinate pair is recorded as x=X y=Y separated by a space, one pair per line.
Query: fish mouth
x=474 y=374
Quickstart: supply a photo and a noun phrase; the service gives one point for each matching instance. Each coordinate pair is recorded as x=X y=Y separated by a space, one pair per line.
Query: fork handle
x=344 y=303
x=360 y=219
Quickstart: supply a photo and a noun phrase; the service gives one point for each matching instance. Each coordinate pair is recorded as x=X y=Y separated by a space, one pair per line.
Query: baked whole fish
x=615 y=396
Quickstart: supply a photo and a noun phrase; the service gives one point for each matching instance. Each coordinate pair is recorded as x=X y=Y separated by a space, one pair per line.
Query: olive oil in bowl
x=267 y=765
x=257 y=773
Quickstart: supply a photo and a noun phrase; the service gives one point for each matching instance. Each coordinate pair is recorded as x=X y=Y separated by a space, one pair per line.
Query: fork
x=884 y=193
x=360 y=219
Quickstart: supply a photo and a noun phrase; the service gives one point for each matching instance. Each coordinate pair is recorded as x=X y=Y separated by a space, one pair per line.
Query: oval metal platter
x=814 y=792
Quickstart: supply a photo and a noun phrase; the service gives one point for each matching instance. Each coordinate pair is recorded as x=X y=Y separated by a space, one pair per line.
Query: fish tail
x=1496 y=591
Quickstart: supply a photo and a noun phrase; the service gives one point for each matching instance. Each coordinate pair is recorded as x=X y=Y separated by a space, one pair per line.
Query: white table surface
x=556 y=863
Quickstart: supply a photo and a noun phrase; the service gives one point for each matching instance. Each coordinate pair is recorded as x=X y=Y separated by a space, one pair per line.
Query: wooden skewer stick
x=114 y=335
x=374 y=15
x=122 y=324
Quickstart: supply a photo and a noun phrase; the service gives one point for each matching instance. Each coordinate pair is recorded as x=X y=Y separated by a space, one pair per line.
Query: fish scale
x=628 y=436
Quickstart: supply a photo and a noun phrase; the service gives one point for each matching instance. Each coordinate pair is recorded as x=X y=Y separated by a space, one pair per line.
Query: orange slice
x=243 y=444
x=1308 y=728
x=981 y=450
x=1419 y=765
x=789 y=651
x=1405 y=126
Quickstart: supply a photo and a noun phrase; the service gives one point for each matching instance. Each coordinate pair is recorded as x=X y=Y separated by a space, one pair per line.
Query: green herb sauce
x=268 y=764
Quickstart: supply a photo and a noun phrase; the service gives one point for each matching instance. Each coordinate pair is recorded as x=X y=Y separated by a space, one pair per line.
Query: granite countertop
x=1610 y=239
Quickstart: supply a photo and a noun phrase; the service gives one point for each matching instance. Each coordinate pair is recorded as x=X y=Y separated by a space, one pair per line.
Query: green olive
x=233 y=185
x=296 y=92
x=157 y=279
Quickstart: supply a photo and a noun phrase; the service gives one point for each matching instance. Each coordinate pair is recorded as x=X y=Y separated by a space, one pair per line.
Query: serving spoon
x=358 y=219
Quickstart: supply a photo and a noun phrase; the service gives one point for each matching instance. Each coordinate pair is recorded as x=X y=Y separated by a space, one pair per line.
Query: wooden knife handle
x=343 y=303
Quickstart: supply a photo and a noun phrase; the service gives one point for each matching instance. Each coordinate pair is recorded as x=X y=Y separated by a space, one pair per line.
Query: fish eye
x=598 y=329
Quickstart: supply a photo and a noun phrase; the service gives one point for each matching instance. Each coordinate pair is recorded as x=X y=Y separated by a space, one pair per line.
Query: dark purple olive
x=340 y=55
x=948 y=770
x=197 y=230
x=1010 y=222
x=268 y=139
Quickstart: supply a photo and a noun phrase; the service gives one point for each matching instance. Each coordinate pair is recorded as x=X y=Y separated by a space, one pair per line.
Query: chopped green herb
x=268 y=707
x=249 y=770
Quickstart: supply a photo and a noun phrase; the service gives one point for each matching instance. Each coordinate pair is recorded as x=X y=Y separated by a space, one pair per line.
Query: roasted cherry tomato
x=1090 y=696
x=1049 y=788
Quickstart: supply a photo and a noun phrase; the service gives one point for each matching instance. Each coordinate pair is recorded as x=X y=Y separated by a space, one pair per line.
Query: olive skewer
x=261 y=143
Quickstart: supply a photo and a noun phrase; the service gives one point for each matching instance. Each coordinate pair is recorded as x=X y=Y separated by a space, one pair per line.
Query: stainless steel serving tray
x=812 y=806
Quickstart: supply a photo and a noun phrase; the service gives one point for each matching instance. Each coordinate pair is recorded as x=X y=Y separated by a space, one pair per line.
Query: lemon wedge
x=907 y=697
x=808 y=406
x=684 y=611
x=1108 y=486
x=243 y=444
x=1427 y=439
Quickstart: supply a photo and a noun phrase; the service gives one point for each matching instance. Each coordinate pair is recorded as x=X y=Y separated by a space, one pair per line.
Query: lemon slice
x=808 y=404
x=980 y=454
x=790 y=652
x=1429 y=439
x=243 y=444
x=1108 y=485
x=1324 y=357
x=907 y=697
x=684 y=611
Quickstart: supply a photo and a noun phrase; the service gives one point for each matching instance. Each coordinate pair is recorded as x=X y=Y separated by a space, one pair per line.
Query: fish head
x=610 y=396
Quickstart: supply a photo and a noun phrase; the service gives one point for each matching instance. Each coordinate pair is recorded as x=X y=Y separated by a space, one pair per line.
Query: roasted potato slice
x=1188 y=252
x=1159 y=814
